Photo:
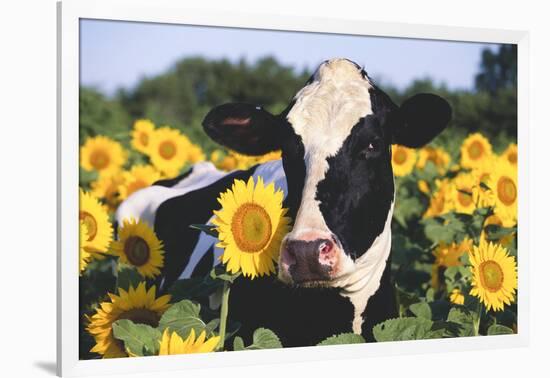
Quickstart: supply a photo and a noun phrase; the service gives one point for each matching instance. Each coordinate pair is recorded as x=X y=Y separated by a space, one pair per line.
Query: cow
x=335 y=139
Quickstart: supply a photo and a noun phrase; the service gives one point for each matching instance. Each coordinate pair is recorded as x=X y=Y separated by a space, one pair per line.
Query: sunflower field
x=454 y=247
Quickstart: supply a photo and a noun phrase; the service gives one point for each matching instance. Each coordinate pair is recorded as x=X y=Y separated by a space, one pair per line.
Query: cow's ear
x=245 y=128
x=420 y=119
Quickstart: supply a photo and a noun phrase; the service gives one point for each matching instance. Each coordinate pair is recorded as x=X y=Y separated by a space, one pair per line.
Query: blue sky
x=118 y=54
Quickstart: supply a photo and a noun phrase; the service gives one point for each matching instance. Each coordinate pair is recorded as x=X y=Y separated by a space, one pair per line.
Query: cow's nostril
x=325 y=247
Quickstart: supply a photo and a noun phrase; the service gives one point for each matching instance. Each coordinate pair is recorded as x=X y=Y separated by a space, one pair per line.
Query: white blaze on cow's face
x=323 y=115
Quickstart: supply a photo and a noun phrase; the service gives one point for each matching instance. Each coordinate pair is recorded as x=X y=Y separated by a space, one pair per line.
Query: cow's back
x=171 y=206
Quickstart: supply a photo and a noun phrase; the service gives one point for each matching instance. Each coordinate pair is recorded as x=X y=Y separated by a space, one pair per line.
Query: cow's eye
x=371 y=149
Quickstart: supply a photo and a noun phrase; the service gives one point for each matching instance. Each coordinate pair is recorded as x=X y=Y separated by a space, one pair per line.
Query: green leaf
x=343 y=338
x=464 y=318
x=219 y=273
x=421 y=310
x=238 y=343
x=211 y=326
x=403 y=329
x=139 y=339
x=404 y=299
x=264 y=338
x=194 y=288
x=498 y=329
x=447 y=228
x=127 y=276
x=181 y=317
x=495 y=232
x=206 y=228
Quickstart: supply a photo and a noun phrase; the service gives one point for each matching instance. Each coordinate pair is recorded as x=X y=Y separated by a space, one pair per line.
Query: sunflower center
x=141 y=316
x=475 y=150
x=144 y=139
x=99 y=159
x=507 y=191
x=400 y=156
x=465 y=199
x=251 y=227
x=491 y=275
x=167 y=149
x=91 y=224
x=136 y=250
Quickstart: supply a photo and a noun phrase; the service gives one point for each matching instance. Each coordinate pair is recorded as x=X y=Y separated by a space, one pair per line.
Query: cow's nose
x=311 y=260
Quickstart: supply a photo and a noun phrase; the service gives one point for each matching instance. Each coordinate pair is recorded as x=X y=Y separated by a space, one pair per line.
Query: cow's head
x=336 y=138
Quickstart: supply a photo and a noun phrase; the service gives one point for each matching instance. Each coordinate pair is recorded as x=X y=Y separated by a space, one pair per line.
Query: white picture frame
x=171 y=11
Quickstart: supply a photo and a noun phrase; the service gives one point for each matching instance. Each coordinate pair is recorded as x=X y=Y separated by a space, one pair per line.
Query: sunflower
x=141 y=135
x=474 y=149
x=511 y=154
x=462 y=193
x=440 y=202
x=103 y=155
x=504 y=185
x=447 y=255
x=96 y=219
x=403 y=160
x=169 y=150
x=137 y=245
x=139 y=177
x=494 y=275
x=456 y=297
x=233 y=160
x=106 y=188
x=172 y=343
x=139 y=305
x=195 y=153
x=423 y=186
x=495 y=220
x=251 y=225
x=84 y=256
x=438 y=156
x=483 y=197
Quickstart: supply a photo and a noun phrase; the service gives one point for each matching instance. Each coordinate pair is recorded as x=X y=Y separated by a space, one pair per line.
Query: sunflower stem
x=223 y=313
x=477 y=319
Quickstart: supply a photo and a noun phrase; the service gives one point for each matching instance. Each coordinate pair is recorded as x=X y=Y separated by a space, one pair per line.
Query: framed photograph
x=263 y=188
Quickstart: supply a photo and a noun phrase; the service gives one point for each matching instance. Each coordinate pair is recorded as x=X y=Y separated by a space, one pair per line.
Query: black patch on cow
x=174 y=216
x=292 y=150
x=168 y=183
x=245 y=128
x=205 y=264
x=356 y=194
x=423 y=116
x=299 y=316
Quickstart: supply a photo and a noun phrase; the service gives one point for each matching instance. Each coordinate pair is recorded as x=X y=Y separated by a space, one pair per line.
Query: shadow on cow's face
x=335 y=139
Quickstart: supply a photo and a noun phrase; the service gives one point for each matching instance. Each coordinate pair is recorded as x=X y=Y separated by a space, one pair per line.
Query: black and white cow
x=336 y=173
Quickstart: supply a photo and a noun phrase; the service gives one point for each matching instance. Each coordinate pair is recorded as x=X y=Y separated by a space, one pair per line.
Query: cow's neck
x=365 y=280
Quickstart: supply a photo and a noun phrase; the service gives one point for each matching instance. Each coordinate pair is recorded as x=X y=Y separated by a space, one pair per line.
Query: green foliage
x=262 y=338
x=127 y=276
x=139 y=339
x=182 y=317
x=206 y=228
x=408 y=328
x=101 y=116
x=343 y=338
x=498 y=329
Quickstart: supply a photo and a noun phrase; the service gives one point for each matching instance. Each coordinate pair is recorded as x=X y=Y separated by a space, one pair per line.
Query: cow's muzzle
x=310 y=262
